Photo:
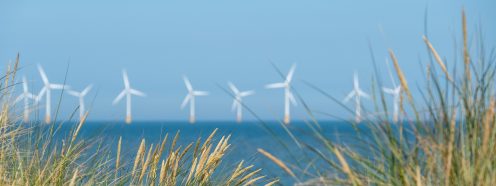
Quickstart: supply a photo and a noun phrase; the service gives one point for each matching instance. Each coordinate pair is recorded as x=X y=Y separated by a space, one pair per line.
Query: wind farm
x=190 y=99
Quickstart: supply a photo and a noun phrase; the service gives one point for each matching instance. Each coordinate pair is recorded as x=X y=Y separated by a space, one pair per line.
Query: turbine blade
x=356 y=83
x=59 y=86
x=200 y=93
x=43 y=75
x=186 y=101
x=349 y=96
x=126 y=79
x=276 y=85
x=398 y=90
x=247 y=93
x=388 y=90
x=187 y=83
x=42 y=92
x=390 y=73
x=73 y=93
x=363 y=94
x=24 y=84
x=233 y=88
x=19 y=98
x=234 y=105
x=292 y=99
x=119 y=97
x=31 y=96
x=86 y=90
x=289 y=77
x=137 y=92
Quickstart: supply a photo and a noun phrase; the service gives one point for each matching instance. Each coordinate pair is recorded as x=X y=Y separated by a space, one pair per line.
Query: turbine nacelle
x=82 y=93
x=395 y=92
x=191 y=95
x=127 y=92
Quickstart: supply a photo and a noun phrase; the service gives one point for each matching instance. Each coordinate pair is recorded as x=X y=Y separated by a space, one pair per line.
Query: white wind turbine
x=396 y=93
x=357 y=93
x=237 y=103
x=46 y=91
x=26 y=96
x=128 y=92
x=80 y=96
x=190 y=98
x=288 y=96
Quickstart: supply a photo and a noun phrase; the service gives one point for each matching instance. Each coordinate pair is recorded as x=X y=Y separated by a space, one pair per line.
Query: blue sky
x=216 y=41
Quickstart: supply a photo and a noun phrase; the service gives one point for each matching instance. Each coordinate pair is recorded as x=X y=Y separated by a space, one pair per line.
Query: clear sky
x=216 y=41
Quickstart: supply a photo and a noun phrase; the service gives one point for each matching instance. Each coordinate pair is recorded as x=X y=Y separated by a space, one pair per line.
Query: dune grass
x=447 y=135
x=31 y=155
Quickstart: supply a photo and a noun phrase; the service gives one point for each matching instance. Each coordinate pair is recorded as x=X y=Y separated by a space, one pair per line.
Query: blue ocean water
x=287 y=142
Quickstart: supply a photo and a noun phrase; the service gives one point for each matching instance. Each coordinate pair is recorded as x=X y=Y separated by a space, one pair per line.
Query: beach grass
x=447 y=134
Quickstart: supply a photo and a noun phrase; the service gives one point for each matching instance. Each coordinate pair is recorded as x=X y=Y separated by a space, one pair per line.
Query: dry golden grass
x=277 y=161
x=438 y=58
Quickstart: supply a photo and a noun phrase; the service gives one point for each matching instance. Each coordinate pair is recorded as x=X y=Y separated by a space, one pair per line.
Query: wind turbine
x=190 y=98
x=396 y=93
x=357 y=93
x=288 y=96
x=46 y=91
x=128 y=92
x=80 y=96
x=26 y=96
x=237 y=103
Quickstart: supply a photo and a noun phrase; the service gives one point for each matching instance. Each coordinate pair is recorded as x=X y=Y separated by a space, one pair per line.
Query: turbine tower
x=26 y=96
x=357 y=93
x=288 y=96
x=80 y=96
x=237 y=103
x=128 y=92
x=46 y=91
x=190 y=98
x=396 y=93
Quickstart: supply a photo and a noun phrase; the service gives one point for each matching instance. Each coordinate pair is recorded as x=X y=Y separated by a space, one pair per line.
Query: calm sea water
x=246 y=138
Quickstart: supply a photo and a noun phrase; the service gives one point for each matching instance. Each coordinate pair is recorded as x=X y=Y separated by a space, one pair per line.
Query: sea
x=291 y=143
